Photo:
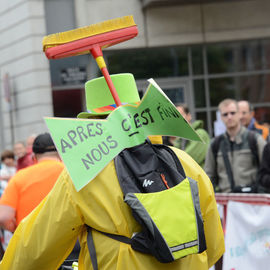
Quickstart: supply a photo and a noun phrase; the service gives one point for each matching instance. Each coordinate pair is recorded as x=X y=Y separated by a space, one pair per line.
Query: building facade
x=199 y=52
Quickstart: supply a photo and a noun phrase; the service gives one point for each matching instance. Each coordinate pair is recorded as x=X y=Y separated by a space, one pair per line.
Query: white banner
x=220 y=209
x=247 y=238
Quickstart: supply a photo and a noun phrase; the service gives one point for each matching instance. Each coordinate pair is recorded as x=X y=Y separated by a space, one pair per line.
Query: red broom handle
x=111 y=86
x=98 y=55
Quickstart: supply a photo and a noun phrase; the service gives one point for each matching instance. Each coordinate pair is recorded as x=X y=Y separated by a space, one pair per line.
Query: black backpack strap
x=120 y=238
x=227 y=166
x=252 y=142
x=91 y=248
x=91 y=245
x=253 y=145
x=215 y=145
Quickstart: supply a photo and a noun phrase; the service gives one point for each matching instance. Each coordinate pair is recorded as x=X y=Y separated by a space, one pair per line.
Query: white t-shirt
x=6 y=171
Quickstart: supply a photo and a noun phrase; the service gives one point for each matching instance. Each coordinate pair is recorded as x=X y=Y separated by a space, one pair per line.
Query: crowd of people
x=13 y=160
x=235 y=161
x=27 y=175
x=238 y=159
x=98 y=216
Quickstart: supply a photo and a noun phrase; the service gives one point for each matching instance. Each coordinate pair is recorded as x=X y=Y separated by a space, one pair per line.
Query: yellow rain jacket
x=45 y=238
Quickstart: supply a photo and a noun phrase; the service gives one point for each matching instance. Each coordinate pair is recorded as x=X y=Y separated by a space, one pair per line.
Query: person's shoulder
x=25 y=172
x=186 y=160
x=259 y=126
x=3 y=167
x=25 y=161
x=65 y=176
x=51 y=163
x=28 y=157
x=243 y=130
x=258 y=137
x=263 y=130
x=48 y=167
x=178 y=151
x=217 y=139
x=203 y=133
x=59 y=166
x=198 y=125
x=255 y=140
x=19 y=177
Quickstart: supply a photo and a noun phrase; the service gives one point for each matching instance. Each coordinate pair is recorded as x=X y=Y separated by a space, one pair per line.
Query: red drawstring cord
x=164 y=180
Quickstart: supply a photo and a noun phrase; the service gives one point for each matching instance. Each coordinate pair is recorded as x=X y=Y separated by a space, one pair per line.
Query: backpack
x=161 y=197
x=215 y=146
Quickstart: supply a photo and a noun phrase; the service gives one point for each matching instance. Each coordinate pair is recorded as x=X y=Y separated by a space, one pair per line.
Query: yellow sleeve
x=46 y=236
x=212 y=225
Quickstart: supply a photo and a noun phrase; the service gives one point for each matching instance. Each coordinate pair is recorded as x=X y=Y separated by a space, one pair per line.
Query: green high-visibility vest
x=172 y=217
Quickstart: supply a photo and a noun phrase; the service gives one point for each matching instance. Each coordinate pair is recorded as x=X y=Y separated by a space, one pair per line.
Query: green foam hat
x=99 y=100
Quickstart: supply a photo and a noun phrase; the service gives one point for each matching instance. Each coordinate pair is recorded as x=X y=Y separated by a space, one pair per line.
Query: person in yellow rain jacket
x=45 y=238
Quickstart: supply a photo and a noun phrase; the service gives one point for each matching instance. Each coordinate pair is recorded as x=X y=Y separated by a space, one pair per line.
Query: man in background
x=29 y=186
x=24 y=158
x=230 y=161
x=195 y=149
x=247 y=119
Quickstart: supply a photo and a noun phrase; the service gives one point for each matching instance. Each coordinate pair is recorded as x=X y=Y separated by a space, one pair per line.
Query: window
x=68 y=103
x=176 y=95
x=220 y=89
x=239 y=70
x=149 y=63
x=254 y=88
x=197 y=60
x=238 y=56
x=202 y=116
x=199 y=93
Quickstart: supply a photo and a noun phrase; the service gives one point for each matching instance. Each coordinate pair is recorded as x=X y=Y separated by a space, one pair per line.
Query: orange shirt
x=27 y=188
